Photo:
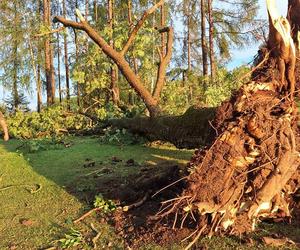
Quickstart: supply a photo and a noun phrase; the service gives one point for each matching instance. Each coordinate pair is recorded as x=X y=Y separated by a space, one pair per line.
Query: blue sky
x=245 y=55
x=241 y=56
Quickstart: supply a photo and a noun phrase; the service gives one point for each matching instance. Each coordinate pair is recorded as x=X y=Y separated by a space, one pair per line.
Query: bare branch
x=139 y=25
x=133 y=79
x=49 y=32
x=68 y=23
x=163 y=64
x=79 y=15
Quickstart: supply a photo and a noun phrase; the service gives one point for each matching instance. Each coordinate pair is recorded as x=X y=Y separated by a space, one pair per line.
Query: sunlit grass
x=51 y=209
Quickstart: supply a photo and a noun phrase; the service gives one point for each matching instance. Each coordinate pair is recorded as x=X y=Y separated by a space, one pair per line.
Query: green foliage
x=198 y=90
x=121 y=137
x=226 y=82
x=72 y=239
x=50 y=122
x=175 y=98
x=33 y=146
x=108 y=112
x=17 y=103
x=106 y=206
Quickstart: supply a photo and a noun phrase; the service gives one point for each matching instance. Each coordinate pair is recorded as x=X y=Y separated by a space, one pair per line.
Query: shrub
x=50 y=122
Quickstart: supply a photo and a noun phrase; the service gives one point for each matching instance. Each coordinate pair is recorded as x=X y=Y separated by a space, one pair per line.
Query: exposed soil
x=249 y=173
x=137 y=226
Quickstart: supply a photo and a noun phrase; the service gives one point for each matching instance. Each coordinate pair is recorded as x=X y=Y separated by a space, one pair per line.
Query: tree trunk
x=39 y=87
x=3 y=125
x=95 y=11
x=203 y=39
x=211 y=40
x=163 y=24
x=77 y=57
x=15 y=92
x=115 y=92
x=39 y=54
x=66 y=59
x=293 y=16
x=190 y=130
x=58 y=69
x=189 y=61
x=50 y=81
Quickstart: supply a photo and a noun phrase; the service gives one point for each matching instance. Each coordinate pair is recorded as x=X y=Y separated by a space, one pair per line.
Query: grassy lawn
x=37 y=210
x=32 y=220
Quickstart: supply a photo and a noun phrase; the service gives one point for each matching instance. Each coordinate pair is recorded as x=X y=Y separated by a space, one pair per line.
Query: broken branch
x=139 y=25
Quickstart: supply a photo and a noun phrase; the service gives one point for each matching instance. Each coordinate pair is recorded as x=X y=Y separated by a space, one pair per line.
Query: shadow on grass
x=87 y=167
x=122 y=173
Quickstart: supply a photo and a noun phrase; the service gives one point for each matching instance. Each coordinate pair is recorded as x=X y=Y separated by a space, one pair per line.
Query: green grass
x=51 y=210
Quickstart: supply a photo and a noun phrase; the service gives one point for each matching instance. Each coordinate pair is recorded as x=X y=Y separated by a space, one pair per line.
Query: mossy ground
x=37 y=220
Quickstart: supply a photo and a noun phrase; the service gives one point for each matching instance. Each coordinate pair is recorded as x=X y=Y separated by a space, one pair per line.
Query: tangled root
x=251 y=169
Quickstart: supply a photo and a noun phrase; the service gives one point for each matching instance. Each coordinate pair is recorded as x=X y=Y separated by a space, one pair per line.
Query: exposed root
x=170 y=185
x=246 y=173
x=196 y=238
x=136 y=204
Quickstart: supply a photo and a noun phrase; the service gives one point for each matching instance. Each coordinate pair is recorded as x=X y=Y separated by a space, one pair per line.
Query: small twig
x=94 y=240
x=164 y=209
x=196 y=238
x=183 y=220
x=32 y=191
x=87 y=214
x=49 y=32
x=189 y=236
x=175 y=199
x=216 y=131
x=136 y=204
x=173 y=183
x=175 y=220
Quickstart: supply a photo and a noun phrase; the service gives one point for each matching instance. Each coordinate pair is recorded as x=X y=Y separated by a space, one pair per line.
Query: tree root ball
x=250 y=171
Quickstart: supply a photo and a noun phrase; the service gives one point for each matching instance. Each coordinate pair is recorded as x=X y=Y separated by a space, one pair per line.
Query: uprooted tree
x=151 y=100
x=251 y=169
x=4 y=127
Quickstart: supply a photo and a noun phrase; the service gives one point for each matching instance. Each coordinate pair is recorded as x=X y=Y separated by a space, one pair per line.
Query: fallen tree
x=4 y=127
x=251 y=169
x=193 y=129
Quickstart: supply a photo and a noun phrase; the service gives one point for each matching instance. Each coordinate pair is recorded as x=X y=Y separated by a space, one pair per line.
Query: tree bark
x=293 y=16
x=66 y=59
x=203 y=39
x=39 y=86
x=95 y=11
x=78 y=91
x=211 y=40
x=189 y=61
x=190 y=130
x=15 y=92
x=163 y=24
x=58 y=69
x=50 y=81
x=115 y=92
x=4 y=127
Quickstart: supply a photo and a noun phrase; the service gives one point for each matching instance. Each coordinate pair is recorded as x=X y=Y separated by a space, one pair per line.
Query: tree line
x=147 y=44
